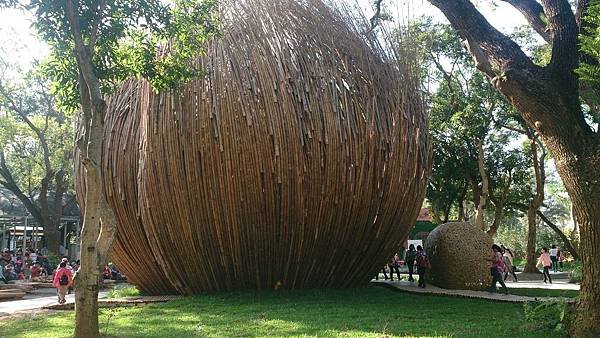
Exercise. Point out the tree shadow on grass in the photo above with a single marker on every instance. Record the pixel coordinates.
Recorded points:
(357, 312)
(374, 312)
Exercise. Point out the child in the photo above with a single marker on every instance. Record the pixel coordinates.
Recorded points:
(63, 279)
(546, 263)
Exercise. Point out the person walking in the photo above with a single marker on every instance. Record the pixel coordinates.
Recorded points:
(2, 278)
(546, 261)
(554, 258)
(422, 265)
(409, 259)
(63, 279)
(394, 265)
(497, 268)
(384, 274)
(509, 258)
(561, 259)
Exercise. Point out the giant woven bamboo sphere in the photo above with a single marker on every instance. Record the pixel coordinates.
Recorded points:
(298, 161)
(458, 253)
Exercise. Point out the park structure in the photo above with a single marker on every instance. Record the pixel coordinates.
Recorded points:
(299, 158)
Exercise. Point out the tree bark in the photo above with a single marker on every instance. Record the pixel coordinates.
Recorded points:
(480, 217)
(534, 13)
(98, 228)
(580, 175)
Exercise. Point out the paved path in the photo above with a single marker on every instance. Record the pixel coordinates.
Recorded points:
(556, 285)
(26, 305)
(431, 289)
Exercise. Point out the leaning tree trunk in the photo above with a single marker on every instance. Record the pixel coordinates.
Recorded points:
(568, 246)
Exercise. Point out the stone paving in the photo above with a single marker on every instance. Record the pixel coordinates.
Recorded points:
(406, 286)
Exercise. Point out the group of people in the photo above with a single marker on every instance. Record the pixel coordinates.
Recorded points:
(412, 258)
(19, 266)
(551, 259)
(501, 264)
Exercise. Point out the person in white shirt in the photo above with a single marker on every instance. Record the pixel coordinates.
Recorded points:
(554, 257)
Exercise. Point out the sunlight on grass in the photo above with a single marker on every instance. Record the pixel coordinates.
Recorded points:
(370, 312)
(124, 290)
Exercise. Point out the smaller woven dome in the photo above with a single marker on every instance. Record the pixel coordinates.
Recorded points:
(458, 253)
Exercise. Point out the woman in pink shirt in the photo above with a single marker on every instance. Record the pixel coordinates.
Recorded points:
(546, 263)
(63, 279)
(497, 268)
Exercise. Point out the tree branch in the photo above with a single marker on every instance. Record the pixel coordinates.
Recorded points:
(493, 51)
(375, 19)
(565, 43)
(96, 26)
(582, 7)
(534, 14)
(82, 54)
(540, 175)
(39, 133)
(10, 184)
(546, 97)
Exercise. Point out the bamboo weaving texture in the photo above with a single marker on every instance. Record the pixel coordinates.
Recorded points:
(299, 160)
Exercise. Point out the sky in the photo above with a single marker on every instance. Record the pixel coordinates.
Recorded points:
(15, 25)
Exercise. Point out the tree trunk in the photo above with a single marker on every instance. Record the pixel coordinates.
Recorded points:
(548, 100)
(462, 216)
(88, 276)
(498, 211)
(499, 205)
(532, 253)
(574, 237)
(580, 176)
(535, 204)
(51, 230)
(51, 237)
(98, 228)
(480, 218)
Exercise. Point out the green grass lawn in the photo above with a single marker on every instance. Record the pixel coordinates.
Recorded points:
(370, 312)
(543, 292)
